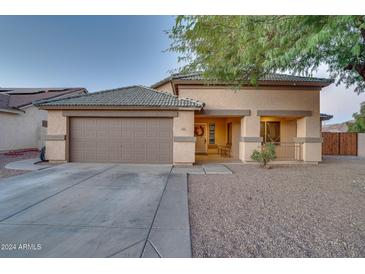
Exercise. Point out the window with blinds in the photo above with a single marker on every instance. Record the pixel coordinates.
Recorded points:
(211, 133)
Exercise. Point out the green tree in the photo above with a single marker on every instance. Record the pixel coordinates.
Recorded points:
(244, 48)
(359, 124)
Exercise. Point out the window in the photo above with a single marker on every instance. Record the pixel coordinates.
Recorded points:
(270, 132)
(212, 134)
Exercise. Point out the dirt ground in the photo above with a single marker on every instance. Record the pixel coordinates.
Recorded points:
(286, 211)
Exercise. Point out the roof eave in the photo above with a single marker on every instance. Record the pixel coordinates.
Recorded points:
(260, 83)
(325, 117)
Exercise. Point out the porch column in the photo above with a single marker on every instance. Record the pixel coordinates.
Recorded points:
(250, 137)
(309, 134)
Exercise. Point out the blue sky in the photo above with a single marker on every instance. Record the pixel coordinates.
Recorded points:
(101, 52)
(96, 52)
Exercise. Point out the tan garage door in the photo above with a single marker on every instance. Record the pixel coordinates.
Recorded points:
(121, 140)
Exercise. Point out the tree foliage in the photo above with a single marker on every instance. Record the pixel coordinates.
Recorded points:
(238, 48)
(359, 124)
(265, 155)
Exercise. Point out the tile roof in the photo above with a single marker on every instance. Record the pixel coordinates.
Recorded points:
(132, 96)
(273, 77)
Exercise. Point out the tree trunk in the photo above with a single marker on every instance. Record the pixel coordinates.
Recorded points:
(360, 68)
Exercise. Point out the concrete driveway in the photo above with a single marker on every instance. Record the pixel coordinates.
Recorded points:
(95, 210)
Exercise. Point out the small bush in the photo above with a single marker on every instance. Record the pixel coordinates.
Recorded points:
(265, 155)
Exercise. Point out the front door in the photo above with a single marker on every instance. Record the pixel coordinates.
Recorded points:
(200, 133)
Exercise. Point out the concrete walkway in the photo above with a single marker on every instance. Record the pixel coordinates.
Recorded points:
(170, 233)
(28, 164)
(206, 169)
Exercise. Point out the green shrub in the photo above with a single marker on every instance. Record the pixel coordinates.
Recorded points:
(265, 155)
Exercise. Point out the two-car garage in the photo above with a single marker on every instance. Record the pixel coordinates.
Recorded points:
(120, 140)
(134, 125)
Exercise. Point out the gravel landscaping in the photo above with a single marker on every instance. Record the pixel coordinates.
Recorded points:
(6, 158)
(286, 211)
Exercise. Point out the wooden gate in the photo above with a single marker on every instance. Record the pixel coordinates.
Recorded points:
(339, 143)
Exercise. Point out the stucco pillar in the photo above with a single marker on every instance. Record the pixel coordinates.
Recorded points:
(250, 137)
(309, 135)
(183, 138)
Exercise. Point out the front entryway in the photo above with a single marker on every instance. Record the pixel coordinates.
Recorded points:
(217, 139)
(121, 140)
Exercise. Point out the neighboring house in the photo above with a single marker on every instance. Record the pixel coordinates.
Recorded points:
(340, 127)
(22, 125)
(182, 119)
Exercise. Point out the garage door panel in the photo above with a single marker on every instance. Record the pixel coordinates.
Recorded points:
(102, 149)
(152, 133)
(140, 132)
(102, 134)
(152, 156)
(77, 133)
(126, 134)
(140, 123)
(164, 136)
(89, 125)
(165, 145)
(140, 151)
(115, 134)
(165, 149)
(115, 151)
(124, 140)
(164, 158)
(89, 133)
(101, 124)
(152, 145)
(127, 153)
(152, 129)
(115, 124)
(89, 156)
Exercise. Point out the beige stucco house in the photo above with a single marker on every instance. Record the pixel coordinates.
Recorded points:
(183, 119)
(22, 125)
